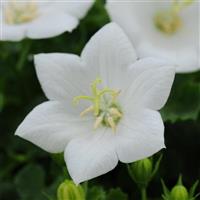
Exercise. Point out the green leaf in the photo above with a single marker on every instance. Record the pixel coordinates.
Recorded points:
(165, 190)
(193, 189)
(184, 100)
(30, 182)
(96, 193)
(7, 190)
(116, 194)
(157, 165)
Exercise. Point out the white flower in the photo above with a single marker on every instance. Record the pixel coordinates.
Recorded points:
(165, 29)
(40, 19)
(114, 119)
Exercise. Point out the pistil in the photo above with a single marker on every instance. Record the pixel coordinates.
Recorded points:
(104, 106)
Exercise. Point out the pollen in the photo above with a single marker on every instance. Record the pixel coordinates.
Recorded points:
(104, 106)
(19, 13)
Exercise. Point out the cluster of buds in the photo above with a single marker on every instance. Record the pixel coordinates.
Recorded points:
(179, 191)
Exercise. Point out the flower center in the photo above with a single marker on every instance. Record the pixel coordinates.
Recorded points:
(169, 21)
(104, 106)
(18, 12)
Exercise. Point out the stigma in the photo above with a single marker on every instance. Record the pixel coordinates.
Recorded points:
(104, 106)
(19, 13)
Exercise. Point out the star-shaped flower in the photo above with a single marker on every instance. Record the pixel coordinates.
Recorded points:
(40, 19)
(165, 29)
(102, 105)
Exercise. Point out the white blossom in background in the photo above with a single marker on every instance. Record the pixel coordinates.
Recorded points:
(168, 29)
(102, 105)
(37, 19)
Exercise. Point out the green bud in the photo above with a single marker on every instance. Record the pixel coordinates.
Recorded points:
(179, 192)
(69, 191)
(142, 169)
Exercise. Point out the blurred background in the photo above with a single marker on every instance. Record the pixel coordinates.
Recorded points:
(29, 173)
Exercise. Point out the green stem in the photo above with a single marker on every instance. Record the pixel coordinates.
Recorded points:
(143, 193)
(24, 53)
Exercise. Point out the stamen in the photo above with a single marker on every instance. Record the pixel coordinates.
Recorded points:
(115, 112)
(116, 94)
(98, 121)
(112, 124)
(104, 107)
(20, 12)
(87, 110)
(169, 20)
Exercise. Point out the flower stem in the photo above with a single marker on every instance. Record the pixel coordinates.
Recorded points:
(143, 193)
(24, 53)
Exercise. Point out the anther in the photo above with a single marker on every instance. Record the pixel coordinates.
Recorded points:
(115, 112)
(87, 110)
(98, 121)
(111, 123)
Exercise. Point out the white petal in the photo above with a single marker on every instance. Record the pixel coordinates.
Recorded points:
(139, 135)
(136, 18)
(108, 54)
(61, 75)
(51, 24)
(77, 8)
(50, 127)
(91, 156)
(151, 85)
(13, 32)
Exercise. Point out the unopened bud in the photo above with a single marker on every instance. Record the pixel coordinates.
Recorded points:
(69, 191)
(143, 171)
(179, 192)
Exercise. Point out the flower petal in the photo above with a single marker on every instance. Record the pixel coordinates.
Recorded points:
(50, 127)
(62, 76)
(151, 85)
(91, 156)
(139, 135)
(108, 54)
(50, 25)
(77, 9)
(136, 18)
(12, 32)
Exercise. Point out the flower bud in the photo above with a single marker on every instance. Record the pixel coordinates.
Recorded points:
(143, 171)
(179, 192)
(69, 191)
